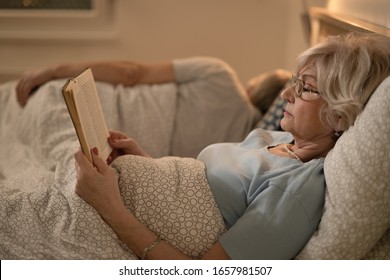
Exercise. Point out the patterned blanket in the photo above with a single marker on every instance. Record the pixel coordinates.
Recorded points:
(41, 217)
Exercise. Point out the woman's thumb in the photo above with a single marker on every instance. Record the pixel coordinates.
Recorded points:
(98, 162)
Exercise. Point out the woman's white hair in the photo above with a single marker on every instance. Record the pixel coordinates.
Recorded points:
(349, 68)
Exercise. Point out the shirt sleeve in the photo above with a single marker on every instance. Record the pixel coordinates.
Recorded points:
(200, 68)
(281, 219)
(209, 89)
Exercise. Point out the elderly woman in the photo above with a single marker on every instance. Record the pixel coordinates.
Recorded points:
(259, 199)
(270, 188)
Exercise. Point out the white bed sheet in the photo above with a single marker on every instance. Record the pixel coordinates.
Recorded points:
(41, 216)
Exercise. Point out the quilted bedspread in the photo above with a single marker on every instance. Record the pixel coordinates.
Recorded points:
(41, 217)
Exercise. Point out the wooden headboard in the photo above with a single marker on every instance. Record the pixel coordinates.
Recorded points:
(325, 23)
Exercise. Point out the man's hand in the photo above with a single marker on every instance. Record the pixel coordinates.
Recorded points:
(31, 80)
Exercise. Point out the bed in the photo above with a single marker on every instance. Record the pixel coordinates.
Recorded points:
(42, 217)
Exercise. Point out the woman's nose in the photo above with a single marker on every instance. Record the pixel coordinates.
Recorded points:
(288, 94)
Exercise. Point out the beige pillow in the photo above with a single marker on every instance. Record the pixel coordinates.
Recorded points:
(356, 220)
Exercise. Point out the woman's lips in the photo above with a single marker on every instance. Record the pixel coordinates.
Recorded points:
(287, 114)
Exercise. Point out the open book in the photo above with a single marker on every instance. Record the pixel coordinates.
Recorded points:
(84, 106)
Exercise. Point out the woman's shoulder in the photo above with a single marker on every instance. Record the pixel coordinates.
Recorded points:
(269, 137)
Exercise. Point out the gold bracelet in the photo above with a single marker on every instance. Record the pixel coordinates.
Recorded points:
(150, 247)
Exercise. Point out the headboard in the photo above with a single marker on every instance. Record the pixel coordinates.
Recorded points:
(325, 23)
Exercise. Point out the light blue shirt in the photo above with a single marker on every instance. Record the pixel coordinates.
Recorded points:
(271, 204)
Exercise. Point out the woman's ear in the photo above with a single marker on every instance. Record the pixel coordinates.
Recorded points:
(339, 127)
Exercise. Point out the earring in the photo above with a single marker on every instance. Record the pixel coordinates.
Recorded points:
(337, 134)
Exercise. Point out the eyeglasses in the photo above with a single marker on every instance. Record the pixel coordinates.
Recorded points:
(303, 91)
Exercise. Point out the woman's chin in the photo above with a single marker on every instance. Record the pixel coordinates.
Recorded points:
(283, 124)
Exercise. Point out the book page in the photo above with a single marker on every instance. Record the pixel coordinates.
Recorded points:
(91, 115)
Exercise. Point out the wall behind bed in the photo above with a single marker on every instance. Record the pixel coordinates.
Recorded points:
(254, 36)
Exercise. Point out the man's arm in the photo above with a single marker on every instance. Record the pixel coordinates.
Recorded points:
(113, 72)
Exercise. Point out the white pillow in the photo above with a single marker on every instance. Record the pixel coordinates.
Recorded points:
(357, 204)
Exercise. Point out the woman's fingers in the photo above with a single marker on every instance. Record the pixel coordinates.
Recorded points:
(117, 135)
(98, 162)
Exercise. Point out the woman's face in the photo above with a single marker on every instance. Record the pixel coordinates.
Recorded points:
(302, 115)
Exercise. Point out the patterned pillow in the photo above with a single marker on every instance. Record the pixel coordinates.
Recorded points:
(356, 221)
(271, 119)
